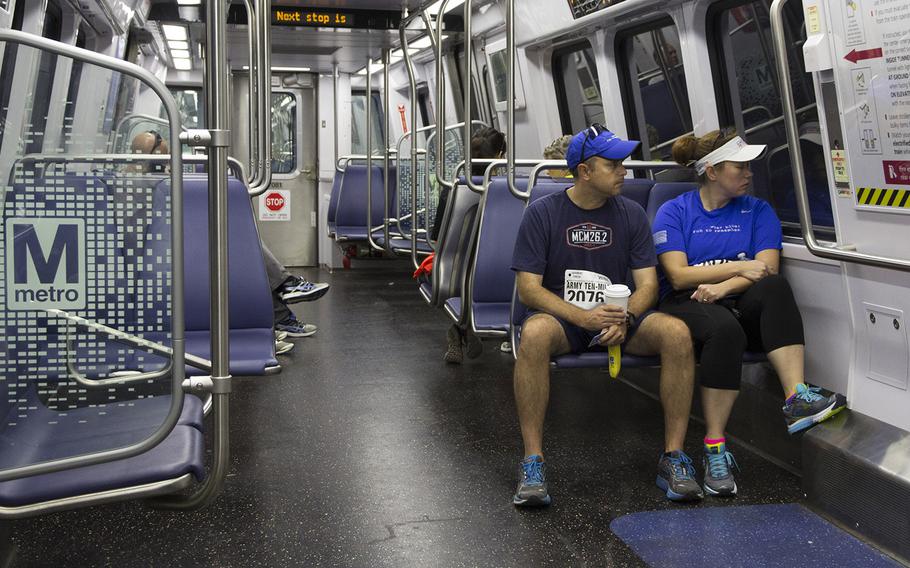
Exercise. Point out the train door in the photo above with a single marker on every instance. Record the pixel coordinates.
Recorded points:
(286, 211)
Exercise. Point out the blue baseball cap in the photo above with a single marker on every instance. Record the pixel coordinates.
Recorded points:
(596, 140)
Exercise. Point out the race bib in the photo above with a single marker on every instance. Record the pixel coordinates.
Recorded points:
(584, 288)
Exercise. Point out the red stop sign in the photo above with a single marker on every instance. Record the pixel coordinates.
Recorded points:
(274, 201)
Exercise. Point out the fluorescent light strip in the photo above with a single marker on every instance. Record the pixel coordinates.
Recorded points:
(174, 32)
(189, 2)
(183, 64)
(178, 44)
(180, 54)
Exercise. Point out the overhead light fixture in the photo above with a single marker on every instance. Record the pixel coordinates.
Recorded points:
(291, 69)
(189, 2)
(180, 54)
(183, 64)
(172, 32)
(434, 9)
(422, 43)
(178, 44)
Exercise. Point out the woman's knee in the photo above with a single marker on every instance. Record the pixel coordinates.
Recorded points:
(727, 333)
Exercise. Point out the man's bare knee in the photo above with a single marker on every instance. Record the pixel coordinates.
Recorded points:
(541, 334)
(673, 336)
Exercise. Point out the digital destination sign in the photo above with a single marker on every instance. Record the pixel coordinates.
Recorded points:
(297, 16)
(312, 17)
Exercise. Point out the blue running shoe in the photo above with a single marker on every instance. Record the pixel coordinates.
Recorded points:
(532, 489)
(808, 407)
(299, 289)
(294, 327)
(718, 462)
(676, 477)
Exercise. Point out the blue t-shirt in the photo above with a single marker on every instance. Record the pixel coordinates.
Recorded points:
(556, 235)
(737, 231)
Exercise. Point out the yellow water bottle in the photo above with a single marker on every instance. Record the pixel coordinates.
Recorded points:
(615, 355)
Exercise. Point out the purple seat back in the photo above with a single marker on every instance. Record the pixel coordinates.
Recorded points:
(663, 192)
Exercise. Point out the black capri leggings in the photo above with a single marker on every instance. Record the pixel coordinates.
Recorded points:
(764, 318)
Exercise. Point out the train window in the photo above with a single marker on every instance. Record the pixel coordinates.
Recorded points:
(750, 102)
(655, 94)
(53, 29)
(358, 123)
(190, 105)
(9, 63)
(69, 111)
(284, 133)
(577, 87)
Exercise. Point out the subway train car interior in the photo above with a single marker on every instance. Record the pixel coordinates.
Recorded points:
(413, 283)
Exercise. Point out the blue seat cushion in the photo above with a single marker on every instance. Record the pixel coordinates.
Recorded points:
(405, 244)
(453, 308)
(601, 359)
(426, 290)
(492, 316)
(179, 454)
(252, 351)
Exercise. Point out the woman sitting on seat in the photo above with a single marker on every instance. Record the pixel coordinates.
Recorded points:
(719, 249)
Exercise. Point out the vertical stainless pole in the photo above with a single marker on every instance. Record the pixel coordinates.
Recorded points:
(217, 118)
(510, 125)
(264, 16)
(427, 188)
(335, 111)
(386, 143)
(468, 71)
(369, 120)
(409, 65)
(216, 88)
(440, 103)
(252, 24)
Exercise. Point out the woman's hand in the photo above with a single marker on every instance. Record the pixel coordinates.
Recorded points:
(709, 293)
(754, 270)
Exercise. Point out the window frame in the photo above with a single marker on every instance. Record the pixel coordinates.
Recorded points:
(629, 91)
(558, 72)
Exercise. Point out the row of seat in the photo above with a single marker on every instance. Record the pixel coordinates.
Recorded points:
(127, 227)
(472, 278)
(347, 212)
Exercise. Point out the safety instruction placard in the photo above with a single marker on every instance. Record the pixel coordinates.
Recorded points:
(873, 72)
(275, 205)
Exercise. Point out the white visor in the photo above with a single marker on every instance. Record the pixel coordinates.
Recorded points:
(735, 150)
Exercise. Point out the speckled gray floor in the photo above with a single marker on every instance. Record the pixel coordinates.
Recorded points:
(369, 451)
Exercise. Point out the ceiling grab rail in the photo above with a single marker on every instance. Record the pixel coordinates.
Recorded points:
(468, 70)
(368, 103)
(412, 84)
(216, 88)
(176, 175)
(796, 161)
(264, 17)
(252, 31)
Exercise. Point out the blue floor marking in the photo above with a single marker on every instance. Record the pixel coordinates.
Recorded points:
(754, 535)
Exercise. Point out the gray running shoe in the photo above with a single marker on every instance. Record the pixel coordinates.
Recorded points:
(532, 489)
(718, 462)
(676, 477)
(807, 407)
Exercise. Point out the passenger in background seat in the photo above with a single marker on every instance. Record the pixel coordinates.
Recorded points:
(486, 143)
(719, 248)
(289, 289)
(590, 227)
(286, 288)
(557, 151)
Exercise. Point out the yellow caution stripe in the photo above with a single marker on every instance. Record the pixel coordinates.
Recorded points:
(883, 197)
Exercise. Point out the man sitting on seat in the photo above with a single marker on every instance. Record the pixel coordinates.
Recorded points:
(589, 227)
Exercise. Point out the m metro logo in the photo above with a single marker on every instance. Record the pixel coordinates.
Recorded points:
(45, 264)
(589, 236)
